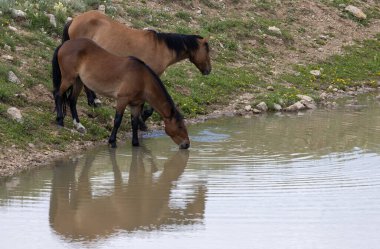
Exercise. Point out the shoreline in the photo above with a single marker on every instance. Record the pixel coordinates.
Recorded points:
(15, 160)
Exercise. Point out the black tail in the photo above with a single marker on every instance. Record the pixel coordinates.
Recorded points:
(65, 35)
(57, 78)
(56, 71)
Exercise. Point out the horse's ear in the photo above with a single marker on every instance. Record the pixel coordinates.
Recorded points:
(205, 40)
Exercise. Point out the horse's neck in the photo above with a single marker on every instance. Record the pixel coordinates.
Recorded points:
(157, 98)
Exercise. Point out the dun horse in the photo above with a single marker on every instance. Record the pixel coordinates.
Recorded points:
(157, 50)
(127, 79)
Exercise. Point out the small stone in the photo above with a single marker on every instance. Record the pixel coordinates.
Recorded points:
(12, 77)
(295, 107)
(102, 8)
(12, 28)
(305, 97)
(199, 11)
(248, 108)
(275, 30)
(52, 20)
(7, 57)
(15, 114)
(323, 95)
(309, 105)
(378, 97)
(18, 14)
(270, 88)
(31, 145)
(277, 107)
(262, 106)
(358, 13)
(7, 47)
(316, 73)
(69, 18)
(335, 89)
(256, 111)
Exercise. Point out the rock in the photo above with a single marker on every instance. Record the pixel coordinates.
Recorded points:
(102, 8)
(7, 47)
(12, 28)
(305, 97)
(12, 77)
(270, 88)
(378, 97)
(316, 73)
(256, 111)
(31, 145)
(7, 57)
(307, 101)
(275, 30)
(277, 107)
(358, 13)
(18, 14)
(52, 20)
(1, 13)
(335, 89)
(15, 114)
(248, 108)
(295, 107)
(309, 105)
(262, 106)
(69, 18)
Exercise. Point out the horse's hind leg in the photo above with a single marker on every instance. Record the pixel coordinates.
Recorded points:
(120, 108)
(60, 100)
(73, 105)
(92, 100)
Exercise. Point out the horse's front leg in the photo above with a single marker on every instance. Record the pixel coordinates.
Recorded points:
(116, 125)
(120, 108)
(135, 120)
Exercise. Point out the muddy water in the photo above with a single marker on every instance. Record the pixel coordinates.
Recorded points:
(277, 181)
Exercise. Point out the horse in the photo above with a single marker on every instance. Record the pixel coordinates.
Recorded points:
(132, 203)
(158, 50)
(127, 79)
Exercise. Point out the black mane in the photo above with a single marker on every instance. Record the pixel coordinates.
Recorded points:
(174, 112)
(179, 42)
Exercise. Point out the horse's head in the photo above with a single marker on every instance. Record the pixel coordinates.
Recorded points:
(201, 56)
(176, 129)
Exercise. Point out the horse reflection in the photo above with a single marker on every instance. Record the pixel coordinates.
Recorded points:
(141, 204)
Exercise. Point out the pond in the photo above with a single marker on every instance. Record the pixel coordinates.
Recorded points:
(277, 181)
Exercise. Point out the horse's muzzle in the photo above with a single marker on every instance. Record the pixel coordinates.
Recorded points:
(206, 72)
(184, 145)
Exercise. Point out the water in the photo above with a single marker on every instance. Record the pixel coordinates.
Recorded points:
(276, 181)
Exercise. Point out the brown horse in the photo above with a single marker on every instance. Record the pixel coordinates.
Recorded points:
(157, 50)
(127, 79)
(141, 201)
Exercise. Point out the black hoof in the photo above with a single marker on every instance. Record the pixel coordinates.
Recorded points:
(112, 144)
(135, 144)
(60, 123)
(143, 127)
(93, 104)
